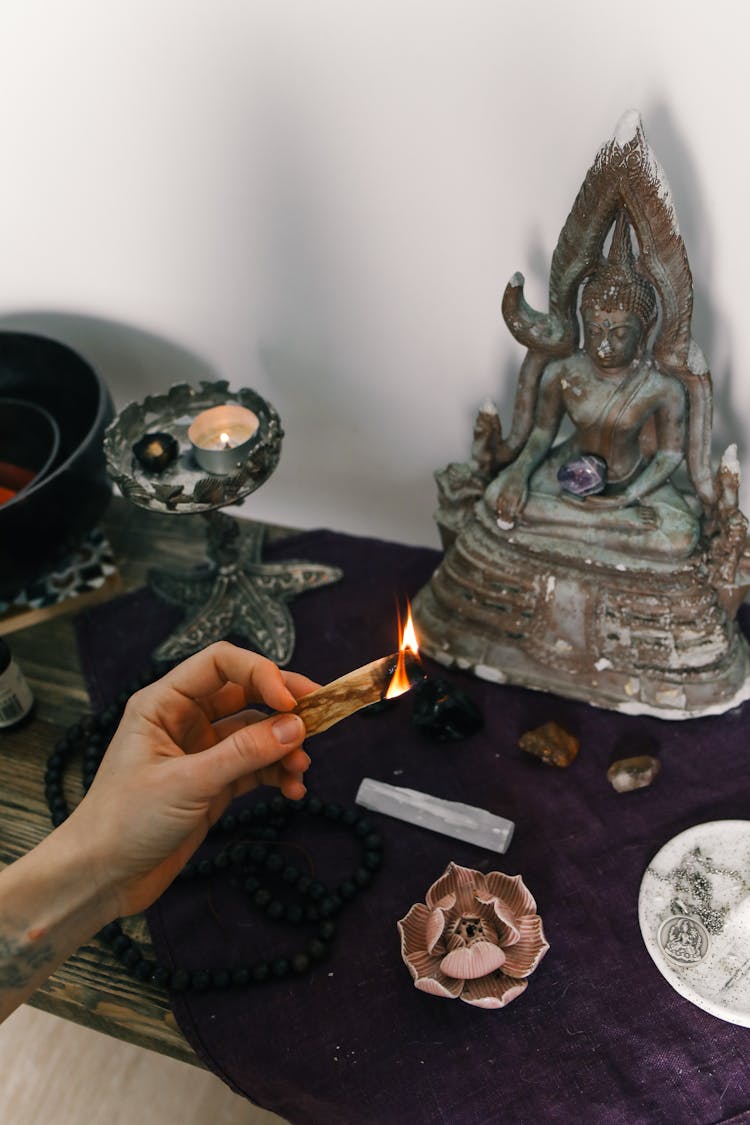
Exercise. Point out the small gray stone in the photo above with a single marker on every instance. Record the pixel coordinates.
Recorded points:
(633, 773)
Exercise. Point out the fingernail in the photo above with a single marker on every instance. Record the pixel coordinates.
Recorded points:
(288, 729)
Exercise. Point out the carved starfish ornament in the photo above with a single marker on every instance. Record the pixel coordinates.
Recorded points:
(237, 594)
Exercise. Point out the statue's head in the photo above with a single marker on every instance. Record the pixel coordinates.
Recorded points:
(618, 304)
(612, 337)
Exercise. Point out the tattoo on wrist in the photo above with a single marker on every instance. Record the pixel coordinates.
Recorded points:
(21, 959)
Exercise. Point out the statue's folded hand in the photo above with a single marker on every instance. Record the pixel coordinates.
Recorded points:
(601, 503)
(506, 495)
(642, 515)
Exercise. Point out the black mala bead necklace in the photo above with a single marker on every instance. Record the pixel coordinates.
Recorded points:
(252, 851)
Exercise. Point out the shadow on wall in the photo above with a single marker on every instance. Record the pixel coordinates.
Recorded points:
(710, 328)
(132, 363)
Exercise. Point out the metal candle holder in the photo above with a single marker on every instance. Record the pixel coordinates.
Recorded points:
(238, 594)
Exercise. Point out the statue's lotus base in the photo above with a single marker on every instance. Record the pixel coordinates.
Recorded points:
(630, 635)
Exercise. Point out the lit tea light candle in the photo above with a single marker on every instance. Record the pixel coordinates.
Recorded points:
(222, 437)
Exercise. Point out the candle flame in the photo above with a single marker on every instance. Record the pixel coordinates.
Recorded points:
(225, 441)
(400, 681)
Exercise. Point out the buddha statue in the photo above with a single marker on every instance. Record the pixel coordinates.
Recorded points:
(609, 482)
(592, 550)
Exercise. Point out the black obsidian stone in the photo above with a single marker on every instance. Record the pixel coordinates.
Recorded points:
(444, 713)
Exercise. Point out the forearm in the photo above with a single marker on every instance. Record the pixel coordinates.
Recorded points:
(49, 906)
(186, 746)
(654, 475)
(536, 449)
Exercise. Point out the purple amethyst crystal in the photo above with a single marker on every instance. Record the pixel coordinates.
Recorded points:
(583, 476)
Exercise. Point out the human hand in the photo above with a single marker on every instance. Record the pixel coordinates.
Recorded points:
(186, 746)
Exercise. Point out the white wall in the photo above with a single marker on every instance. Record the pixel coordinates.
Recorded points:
(323, 200)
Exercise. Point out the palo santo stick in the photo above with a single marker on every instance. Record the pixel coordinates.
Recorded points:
(330, 704)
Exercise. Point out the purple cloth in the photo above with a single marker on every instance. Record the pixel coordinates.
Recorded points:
(599, 1035)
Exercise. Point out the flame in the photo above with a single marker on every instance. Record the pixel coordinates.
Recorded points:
(407, 643)
(225, 442)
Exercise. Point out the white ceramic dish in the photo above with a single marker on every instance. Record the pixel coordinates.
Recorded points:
(694, 913)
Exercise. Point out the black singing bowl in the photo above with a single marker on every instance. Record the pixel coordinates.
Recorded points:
(42, 524)
(29, 440)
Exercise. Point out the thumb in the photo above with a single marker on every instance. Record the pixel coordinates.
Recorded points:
(252, 748)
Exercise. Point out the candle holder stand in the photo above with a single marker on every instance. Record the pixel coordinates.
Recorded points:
(235, 593)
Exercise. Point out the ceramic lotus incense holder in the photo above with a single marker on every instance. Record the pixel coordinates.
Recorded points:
(477, 937)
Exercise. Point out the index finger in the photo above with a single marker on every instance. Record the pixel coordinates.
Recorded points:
(298, 684)
(208, 671)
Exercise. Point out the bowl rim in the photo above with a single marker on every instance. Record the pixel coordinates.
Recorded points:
(103, 405)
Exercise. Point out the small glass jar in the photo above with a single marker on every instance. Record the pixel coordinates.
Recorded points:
(16, 699)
